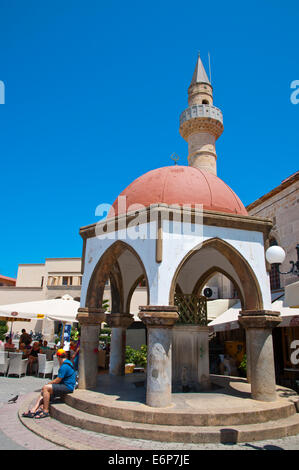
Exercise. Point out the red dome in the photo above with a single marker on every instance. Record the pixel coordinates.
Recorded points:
(180, 185)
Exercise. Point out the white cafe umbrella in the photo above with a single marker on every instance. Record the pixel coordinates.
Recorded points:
(64, 309)
(229, 319)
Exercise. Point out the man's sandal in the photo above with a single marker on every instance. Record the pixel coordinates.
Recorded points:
(41, 415)
(28, 414)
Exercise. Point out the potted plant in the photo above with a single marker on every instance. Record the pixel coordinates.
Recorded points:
(135, 357)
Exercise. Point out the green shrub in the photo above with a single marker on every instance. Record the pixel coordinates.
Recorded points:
(106, 331)
(3, 330)
(106, 339)
(137, 356)
(243, 365)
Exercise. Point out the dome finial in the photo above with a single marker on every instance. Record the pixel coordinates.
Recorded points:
(175, 158)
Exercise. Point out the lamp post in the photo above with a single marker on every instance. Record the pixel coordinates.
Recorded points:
(276, 255)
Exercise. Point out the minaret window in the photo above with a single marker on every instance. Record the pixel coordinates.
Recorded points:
(205, 102)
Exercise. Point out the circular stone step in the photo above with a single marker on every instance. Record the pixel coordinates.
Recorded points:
(229, 405)
(187, 434)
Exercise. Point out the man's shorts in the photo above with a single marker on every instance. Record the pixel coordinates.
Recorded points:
(60, 389)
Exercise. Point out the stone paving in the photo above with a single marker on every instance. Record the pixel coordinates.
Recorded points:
(15, 436)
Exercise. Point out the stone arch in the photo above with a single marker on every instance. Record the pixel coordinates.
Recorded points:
(204, 278)
(108, 268)
(132, 290)
(252, 298)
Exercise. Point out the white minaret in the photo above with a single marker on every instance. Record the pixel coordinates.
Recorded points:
(201, 123)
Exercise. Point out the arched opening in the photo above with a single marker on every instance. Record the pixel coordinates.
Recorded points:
(119, 265)
(138, 287)
(136, 333)
(222, 284)
(205, 102)
(215, 254)
(215, 260)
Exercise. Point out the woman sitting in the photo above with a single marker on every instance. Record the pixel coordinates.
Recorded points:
(9, 346)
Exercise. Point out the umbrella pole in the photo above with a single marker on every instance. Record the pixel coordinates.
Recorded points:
(62, 335)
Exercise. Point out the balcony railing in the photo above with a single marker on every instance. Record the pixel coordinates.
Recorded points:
(201, 110)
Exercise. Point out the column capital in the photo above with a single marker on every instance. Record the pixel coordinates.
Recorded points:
(259, 318)
(119, 320)
(158, 316)
(91, 316)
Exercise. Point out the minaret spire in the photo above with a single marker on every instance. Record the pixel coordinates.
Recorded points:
(201, 123)
(199, 75)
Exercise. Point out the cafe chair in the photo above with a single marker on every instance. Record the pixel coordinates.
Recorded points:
(17, 365)
(44, 367)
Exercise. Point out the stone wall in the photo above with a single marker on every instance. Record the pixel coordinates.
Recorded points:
(282, 206)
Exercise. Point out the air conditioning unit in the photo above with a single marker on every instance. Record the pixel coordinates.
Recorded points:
(211, 293)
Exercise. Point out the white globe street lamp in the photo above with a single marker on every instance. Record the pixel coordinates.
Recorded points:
(276, 255)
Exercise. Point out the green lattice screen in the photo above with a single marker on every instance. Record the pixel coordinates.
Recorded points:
(192, 309)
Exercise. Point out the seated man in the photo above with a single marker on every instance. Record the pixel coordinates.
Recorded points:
(25, 338)
(64, 383)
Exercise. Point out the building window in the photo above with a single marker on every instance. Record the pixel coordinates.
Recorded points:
(274, 274)
(64, 281)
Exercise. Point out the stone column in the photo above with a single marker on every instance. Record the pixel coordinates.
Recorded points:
(259, 326)
(159, 321)
(119, 322)
(90, 320)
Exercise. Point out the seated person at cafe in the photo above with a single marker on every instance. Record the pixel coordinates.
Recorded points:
(44, 346)
(9, 344)
(33, 356)
(24, 349)
(64, 383)
(25, 338)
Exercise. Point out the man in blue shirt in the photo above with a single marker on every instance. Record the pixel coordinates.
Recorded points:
(64, 383)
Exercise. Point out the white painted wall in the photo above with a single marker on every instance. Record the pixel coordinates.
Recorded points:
(176, 246)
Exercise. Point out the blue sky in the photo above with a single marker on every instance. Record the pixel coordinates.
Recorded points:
(93, 93)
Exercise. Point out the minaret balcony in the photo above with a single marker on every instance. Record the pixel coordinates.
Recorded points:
(201, 111)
